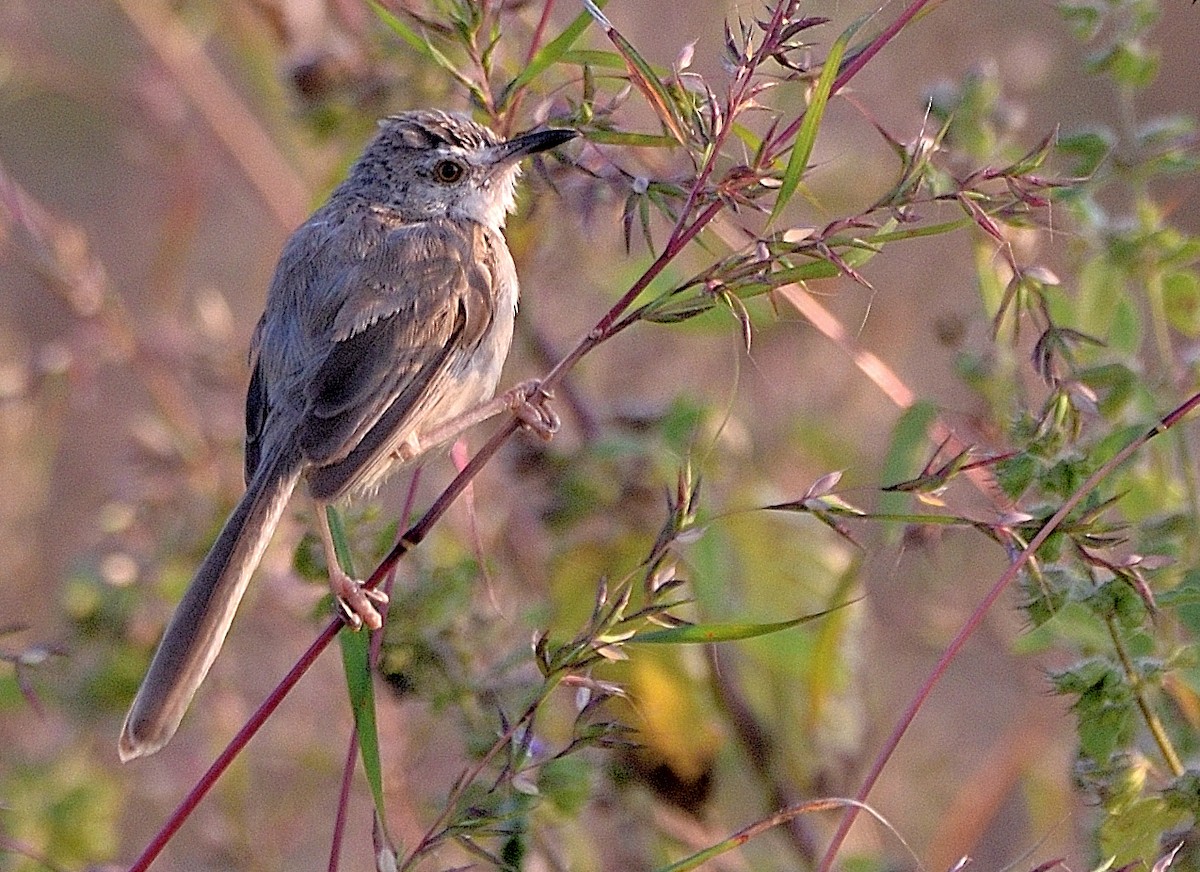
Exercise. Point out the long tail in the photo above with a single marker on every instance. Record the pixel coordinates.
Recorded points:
(196, 632)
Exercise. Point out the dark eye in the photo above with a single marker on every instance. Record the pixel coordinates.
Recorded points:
(447, 171)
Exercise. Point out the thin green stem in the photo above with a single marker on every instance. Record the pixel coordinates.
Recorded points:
(1138, 686)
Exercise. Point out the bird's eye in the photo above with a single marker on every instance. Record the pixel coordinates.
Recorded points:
(447, 171)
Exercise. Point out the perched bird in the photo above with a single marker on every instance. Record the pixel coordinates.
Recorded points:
(387, 322)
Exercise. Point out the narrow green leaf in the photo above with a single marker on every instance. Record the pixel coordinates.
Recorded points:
(647, 81)
(620, 137)
(1181, 300)
(421, 44)
(553, 50)
(909, 449)
(671, 309)
(705, 633)
(588, 57)
(887, 234)
(807, 135)
(751, 139)
(356, 662)
(402, 30)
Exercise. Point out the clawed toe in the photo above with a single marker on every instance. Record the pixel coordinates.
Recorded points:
(531, 406)
(355, 603)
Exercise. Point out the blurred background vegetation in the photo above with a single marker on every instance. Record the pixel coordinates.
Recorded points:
(154, 157)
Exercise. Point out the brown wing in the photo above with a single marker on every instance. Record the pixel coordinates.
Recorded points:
(413, 311)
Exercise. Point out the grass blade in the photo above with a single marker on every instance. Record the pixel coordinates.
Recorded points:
(420, 43)
(356, 662)
(705, 633)
(397, 26)
(806, 136)
(553, 51)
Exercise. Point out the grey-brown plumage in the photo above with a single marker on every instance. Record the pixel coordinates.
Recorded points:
(387, 321)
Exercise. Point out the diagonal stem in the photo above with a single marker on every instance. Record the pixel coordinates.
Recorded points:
(976, 618)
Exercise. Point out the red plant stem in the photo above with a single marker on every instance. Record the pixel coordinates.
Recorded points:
(343, 804)
(535, 42)
(539, 32)
(235, 747)
(968, 629)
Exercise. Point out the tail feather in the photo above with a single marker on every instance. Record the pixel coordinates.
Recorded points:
(197, 630)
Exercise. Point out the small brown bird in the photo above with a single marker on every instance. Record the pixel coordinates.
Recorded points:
(386, 326)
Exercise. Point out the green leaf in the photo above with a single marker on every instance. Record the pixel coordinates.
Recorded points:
(672, 311)
(1134, 833)
(1115, 384)
(748, 137)
(1187, 594)
(356, 662)
(620, 137)
(1104, 707)
(1089, 146)
(1131, 64)
(402, 30)
(807, 135)
(1104, 304)
(553, 51)
(566, 782)
(705, 633)
(1126, 333)
(421, 44)
(1015, 474)
(1084, 18)
(589, 57)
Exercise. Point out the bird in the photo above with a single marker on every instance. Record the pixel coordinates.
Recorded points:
(386, 325)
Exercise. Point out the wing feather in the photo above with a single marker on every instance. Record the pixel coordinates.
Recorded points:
(366, 358)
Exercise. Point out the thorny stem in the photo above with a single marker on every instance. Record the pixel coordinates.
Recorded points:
(1157, 731)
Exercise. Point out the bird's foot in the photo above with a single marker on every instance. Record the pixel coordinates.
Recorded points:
(530, 404)
(355, 603)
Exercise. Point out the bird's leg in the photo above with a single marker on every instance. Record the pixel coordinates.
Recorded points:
(356, 603)
(527, 402)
